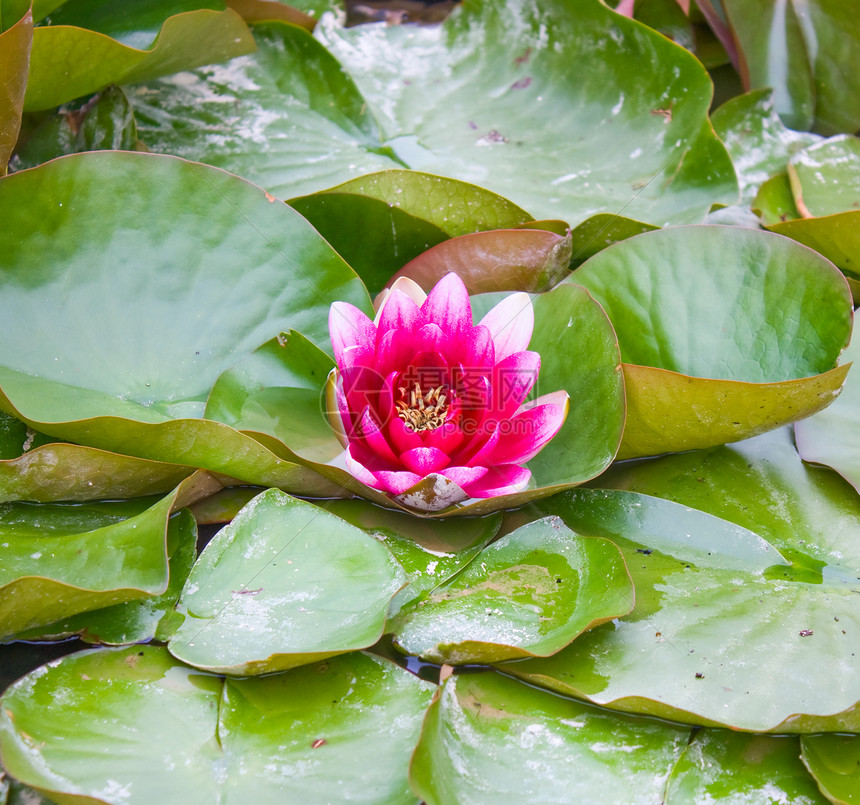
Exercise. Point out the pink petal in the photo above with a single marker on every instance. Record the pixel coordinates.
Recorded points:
(525, 434)
(405, 285)
(395, 350)
(359, 471)
(511, 323)
(396, 483)
(464, 477)
(368, 435)
(401, 437)
(447, 437)
(424, 460)
(504, 479)
(447, 305)
(349, 327)
(512, 381)
(473, 348)
(398, 312)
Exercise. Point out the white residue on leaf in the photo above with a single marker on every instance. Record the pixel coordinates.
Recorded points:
(617, 108)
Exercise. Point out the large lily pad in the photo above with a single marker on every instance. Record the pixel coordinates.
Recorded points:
(490, 739)
(825, 177)
(232, 273)
(561, 143)
(528, 594)
(718, 309)
(285, 584)
(122, 727)
(725, 630)
(834, 761)
(62, 559)
(199, 35)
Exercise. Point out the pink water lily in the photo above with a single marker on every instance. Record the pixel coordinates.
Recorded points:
(428, 405)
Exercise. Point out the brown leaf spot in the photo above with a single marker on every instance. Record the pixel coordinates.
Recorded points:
(522, 83)
(806, 632)
(318, 743)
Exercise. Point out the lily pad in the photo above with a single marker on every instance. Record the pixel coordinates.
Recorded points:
(16, 38)
(289, 119)
(596, 233)
(503, 260)
(134, 723)
(759, 143)
(775, 203)
(808, 54)
(151, 43)
(138, 384)
(68, 472)
(735, 768)
(825, 178)
(528, 594)
(489, 739)
(285, 584)
(141, 620)
(396, 215)
(62, 559)
(725, 630)
(833, 761)
(832, 437)
(709, 304)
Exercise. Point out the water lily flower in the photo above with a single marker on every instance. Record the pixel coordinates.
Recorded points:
(428, 405)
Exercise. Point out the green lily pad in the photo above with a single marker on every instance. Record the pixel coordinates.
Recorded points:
(150, 43)
(397, 215)
(502, 260)
(832, 437)
(489, 739)
(135, 726)
(725, 631)
(774, 202)
(833, 760)
(68, 472)
(559, 143)
(301, 14)
(62, 559)
(528, 594)
(731, 767)
(141, 620)
(758, 142)
(285, 584)
(138, 384)
(808, 54)
(825, 177)
(16, 38)
(710, 304)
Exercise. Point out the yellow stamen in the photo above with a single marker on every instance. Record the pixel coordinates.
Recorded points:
(423, 411)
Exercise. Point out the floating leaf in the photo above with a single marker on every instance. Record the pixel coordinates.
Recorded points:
(825, 177)
(285, 584)
(833, 761)
(774, 202)
(809, 54)
(141, 620)
(139, 53)
(122, 726)
(725, 631)
(528, 594)
(397, 215)
(62, 559)
(732, 767)
(489, 739)
(719, 309)
(602, 230)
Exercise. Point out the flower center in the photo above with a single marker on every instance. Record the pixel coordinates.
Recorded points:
(422, 411)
